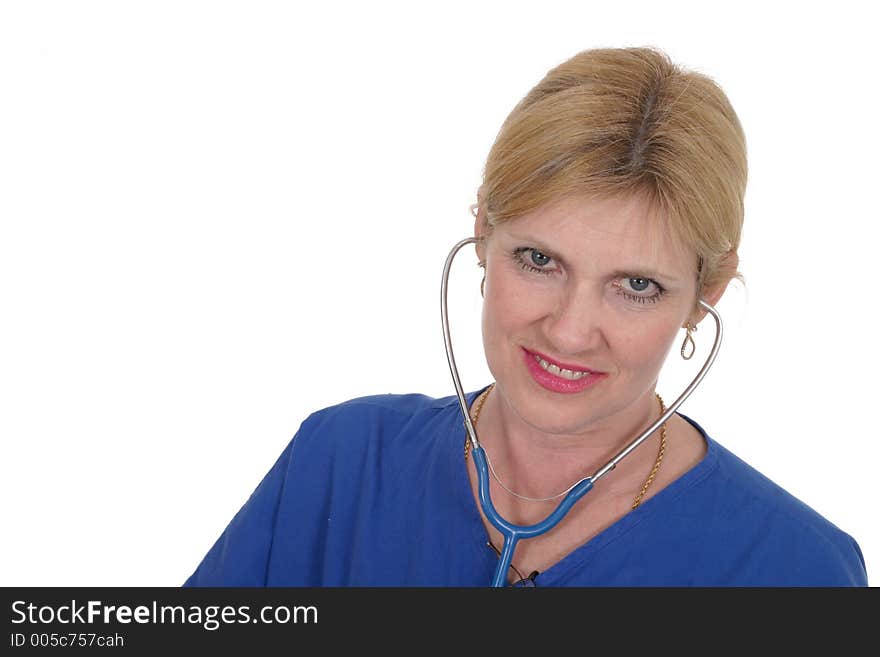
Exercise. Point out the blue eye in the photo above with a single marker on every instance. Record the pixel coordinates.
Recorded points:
(539, 258)
(639, 284)
(536, 262)
(631, 287)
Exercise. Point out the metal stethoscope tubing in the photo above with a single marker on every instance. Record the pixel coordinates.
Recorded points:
(513, 533)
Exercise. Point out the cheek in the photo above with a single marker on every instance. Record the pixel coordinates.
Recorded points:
(501, 320)
(510, 304)
(646, 347)
(507, 319)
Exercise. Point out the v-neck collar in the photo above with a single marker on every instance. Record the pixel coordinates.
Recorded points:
(557, 573)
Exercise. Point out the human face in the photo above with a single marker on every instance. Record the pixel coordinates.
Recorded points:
(593, 284)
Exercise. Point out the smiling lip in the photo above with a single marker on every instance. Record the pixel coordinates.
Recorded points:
(564, 366)
(554, 383)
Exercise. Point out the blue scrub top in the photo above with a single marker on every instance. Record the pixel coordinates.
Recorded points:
(375, 492)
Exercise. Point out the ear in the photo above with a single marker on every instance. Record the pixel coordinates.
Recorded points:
(480, 232)
(712, 295)
(481, 226)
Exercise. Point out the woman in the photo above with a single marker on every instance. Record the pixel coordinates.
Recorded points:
(611, 204)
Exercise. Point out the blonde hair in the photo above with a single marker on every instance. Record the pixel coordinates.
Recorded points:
(615, 121)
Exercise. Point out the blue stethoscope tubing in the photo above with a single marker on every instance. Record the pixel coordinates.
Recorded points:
(511, 532)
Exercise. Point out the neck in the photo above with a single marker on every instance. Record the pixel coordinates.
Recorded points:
(541, 463)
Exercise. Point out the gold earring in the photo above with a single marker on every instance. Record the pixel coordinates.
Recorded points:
(688, 338)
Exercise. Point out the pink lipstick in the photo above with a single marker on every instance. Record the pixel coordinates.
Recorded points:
(556, 383)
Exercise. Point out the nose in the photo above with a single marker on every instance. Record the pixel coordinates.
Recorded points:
(574, 323)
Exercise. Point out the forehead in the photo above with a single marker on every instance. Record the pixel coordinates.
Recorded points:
(626, 228)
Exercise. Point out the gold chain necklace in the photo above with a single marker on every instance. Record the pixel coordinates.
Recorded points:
(478, 406)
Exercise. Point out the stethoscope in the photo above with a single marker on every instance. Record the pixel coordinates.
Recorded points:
(512, 532)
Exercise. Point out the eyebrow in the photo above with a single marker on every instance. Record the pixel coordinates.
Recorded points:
(635, 270)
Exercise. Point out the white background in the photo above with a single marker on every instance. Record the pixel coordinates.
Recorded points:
(218, 217)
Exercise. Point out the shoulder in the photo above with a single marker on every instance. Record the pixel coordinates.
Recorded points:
(386, 404)
(376, 422)
(754, 490)
(783, 536)
(341, 469)
(777, 537)
(385, 411)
